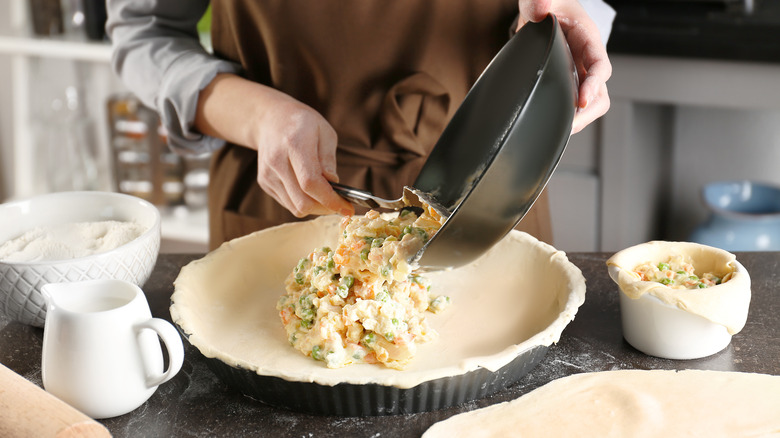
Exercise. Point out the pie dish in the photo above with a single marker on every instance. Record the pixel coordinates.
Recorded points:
(507, 308)
(680, 323)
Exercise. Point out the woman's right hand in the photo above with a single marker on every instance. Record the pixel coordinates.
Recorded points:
(296, 146)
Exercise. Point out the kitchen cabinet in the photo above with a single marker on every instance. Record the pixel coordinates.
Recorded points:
(674, 124)
(574, 191)
(36, 67)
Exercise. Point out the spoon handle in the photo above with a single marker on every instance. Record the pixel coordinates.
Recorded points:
(366, 199)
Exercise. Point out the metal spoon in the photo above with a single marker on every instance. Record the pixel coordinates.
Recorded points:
(412, 200)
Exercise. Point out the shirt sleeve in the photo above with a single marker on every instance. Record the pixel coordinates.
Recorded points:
(602, 14)
(158, 56)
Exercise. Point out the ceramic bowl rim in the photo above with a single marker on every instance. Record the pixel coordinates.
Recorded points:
(150, 232)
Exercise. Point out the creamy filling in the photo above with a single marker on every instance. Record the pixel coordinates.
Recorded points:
(362, 302)
(678, 273)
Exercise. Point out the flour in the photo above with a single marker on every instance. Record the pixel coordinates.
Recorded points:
(69, 241)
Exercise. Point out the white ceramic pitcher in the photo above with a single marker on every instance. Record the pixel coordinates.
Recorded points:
(101, 352)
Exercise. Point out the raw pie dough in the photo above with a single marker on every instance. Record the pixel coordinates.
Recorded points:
(521, 294)
(725, 304)
(632, 403)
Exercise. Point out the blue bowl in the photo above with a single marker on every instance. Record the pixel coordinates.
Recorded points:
(745, 216)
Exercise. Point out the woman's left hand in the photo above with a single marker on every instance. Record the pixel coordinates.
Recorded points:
(590, 55)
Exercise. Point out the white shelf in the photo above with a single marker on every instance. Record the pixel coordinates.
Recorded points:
(182, 224)
(62, 48)
(24, 49)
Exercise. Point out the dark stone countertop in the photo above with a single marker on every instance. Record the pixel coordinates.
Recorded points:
(197, 404)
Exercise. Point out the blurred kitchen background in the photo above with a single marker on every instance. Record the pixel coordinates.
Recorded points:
(695, 98)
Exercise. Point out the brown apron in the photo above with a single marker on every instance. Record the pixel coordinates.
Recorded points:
(387, 75)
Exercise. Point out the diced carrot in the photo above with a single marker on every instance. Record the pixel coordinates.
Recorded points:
(341, 257)
(370, 358)
(285, 314)
(363, 291)
(358, 245)
(399, 340)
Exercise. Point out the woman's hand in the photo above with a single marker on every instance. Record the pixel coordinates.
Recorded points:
(296, 146)
(590, 55)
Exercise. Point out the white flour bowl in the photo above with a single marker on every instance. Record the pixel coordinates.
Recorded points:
(21, 282)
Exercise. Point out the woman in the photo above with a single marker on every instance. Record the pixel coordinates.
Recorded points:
(300, 93)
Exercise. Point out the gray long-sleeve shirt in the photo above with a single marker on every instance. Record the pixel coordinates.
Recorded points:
(158, 56)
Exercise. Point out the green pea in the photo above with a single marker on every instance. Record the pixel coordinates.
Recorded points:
(382, 296)
(307, 315)
(386, 271)
(316, 353)
(368, 339)
(663, 266)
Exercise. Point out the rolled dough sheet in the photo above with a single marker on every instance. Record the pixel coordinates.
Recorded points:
(632, 403)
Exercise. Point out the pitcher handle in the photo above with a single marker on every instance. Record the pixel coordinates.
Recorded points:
(173, 344)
